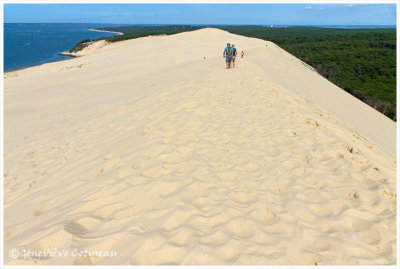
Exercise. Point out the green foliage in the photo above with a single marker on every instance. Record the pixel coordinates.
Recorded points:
(131, 32)
(164, 29)
(134, 35)
(81, 45)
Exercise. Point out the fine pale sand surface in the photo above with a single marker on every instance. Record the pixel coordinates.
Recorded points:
(152, 149)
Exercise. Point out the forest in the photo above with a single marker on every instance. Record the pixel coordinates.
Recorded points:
(360, 61)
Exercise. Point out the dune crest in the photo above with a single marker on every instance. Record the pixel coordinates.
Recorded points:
(151, 149)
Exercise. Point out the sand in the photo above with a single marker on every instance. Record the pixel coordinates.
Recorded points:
(150, 152)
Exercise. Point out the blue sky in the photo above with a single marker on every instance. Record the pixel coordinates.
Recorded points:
(278, 14)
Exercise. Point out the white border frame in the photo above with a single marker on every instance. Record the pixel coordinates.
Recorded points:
(2, 2)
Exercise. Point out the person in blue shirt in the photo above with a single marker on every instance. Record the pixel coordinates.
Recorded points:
(228, 53)
(234, 55)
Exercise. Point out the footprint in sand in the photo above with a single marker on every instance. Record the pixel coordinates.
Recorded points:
(332, 164)
(312, 122)
(369, 184)
(357, 224)
(154, 172)
(252, 167)
(8, 233)
(110, 164)
(228, 175)
(81, 226)
(149, 245)
(347, 193)
(74, 67)
(272, 151)
(123, 173)
(204, 225)
(106, 211)
(230, 251)
(378, 206)
(265, 215)
(32, 184)
(391, 197)
(218, 238)
(175, 220)
(155, 150)
(172, 157)
(321, 210)
(350, 149)
(182, 237)
(240, 227)
(371, 235)
(243, 197)
(147, 130)
(43, 208)
(361, 164)
(168, 188)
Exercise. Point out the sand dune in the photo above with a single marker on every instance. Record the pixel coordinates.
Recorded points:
(151, 150)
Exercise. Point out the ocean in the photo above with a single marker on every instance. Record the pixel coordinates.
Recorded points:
(30, 44)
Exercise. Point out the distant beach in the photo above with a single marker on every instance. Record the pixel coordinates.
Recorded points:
(104, 31)
(27, 44)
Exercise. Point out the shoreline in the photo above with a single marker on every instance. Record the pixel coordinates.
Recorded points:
(95, 30)
(23, 68)
(68, 54)
(63, 53)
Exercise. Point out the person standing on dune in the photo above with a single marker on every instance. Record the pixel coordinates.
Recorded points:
(228, 53)
(234, 55)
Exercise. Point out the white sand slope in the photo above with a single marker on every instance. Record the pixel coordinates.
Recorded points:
(147, 149)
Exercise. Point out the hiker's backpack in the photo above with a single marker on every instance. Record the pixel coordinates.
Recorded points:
(228, 51)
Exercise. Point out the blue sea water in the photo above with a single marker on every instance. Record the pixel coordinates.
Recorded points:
(27, 45)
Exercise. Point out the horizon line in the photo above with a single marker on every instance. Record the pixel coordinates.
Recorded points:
(200, 24)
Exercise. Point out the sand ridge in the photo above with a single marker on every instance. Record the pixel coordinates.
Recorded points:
(176, 160)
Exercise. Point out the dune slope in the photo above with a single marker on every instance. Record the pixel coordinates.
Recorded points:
(151, 150)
